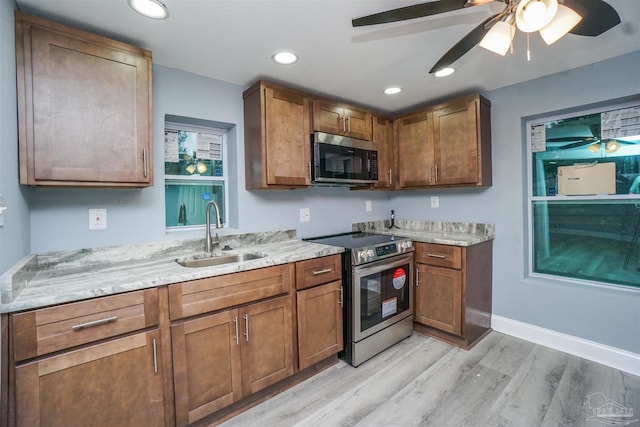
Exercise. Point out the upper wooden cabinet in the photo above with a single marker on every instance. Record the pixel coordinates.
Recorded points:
(277, 137)
(341, 119)
(383, 144)
(84, 105)
(446, 145)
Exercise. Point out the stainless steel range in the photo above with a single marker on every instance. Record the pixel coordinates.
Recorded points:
(377, 281)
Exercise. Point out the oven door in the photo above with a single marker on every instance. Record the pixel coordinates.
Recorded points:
(382, 294)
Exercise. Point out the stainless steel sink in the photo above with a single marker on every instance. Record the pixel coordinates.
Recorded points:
(212, 260)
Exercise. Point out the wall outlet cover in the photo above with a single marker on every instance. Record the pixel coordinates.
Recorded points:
(435, 202)
(305, 215)
(368, 206)
(97, 219)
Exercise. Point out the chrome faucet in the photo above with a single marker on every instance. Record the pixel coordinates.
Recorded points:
(209, 243)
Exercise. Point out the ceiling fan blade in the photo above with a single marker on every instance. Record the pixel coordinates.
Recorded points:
(410, 12)
(597, 17)
(464, 45)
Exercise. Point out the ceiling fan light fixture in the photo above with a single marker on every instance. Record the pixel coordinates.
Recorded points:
(498, 39)
(532, 15)
(150, 8)
(564, 21)
(444, 72)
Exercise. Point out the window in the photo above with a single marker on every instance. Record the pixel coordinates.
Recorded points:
(584, 206)
(195, 173)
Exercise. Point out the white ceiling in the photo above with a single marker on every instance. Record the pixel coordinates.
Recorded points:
(233, 40)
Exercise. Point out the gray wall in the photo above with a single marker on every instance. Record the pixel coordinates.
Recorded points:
(51, 219)
(602, 314)
(14, 235)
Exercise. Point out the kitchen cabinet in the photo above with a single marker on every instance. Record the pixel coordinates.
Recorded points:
(341, 119)
(72, 382)
(84, 107)
(446, 145)
(383, 143)
(223, 356)
(277, 137)
(319, 309)
(453, 291)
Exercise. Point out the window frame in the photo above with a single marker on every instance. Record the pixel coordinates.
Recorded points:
(177, 126)
(530, 198)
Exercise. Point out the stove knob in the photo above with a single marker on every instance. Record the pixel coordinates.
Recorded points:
(370, 253)
(362, 255)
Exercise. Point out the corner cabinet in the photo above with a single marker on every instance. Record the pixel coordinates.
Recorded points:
(383, 144)
(84, 107)
(453, 291)
(277, 137)
(446, 145)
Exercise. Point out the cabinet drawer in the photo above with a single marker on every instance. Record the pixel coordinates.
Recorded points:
(51, 329)
(317, 271)
(440, 255)
(215, 293)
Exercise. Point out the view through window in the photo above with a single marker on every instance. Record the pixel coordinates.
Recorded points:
(584, 201)
(195, 173)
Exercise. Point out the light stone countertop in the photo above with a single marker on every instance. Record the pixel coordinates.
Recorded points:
(444, 233)
(52, 278)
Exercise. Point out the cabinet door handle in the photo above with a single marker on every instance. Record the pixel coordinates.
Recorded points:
(348, 119)
(155, 357)
(94, 323)
(310, 178)
(237, 337)
(390, 178)
(417, 277)
(326, 270)
(144, 161)
(344, 124)
(436, 169)
(430, 173)
(246, 326)
(437, 256)
(341, 297)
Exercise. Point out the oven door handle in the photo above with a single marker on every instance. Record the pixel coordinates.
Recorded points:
(385, 264)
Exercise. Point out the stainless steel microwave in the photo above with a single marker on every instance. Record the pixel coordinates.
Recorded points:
(340, 160)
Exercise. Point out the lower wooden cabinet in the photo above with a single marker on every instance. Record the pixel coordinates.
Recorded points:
(115, 383)
(220, 358)
(453, 291)
(319, 323)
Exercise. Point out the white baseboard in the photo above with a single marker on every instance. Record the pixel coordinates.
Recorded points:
(611, 356)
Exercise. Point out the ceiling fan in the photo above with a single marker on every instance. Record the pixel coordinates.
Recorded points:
(553, 18)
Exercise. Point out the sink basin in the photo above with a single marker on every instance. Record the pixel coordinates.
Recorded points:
(208, 261)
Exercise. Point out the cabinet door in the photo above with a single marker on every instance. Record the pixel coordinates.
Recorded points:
(328, 117)
(267, 343)
(357, 124)
(414, 138)
(288, 141)
(206, 365)
(383, 142)
(439, 298)
(86, 121)
(456, 144)
(319, 323)
(116, 383)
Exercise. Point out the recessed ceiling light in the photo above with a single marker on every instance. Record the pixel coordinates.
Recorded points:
(445, 72)
(150, 8)
(392, 90)
(285, 58)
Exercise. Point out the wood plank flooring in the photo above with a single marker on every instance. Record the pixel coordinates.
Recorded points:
(502, 381)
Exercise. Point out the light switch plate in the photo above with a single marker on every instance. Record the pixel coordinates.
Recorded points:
(435, 202)
(305, 215)
(97, 219)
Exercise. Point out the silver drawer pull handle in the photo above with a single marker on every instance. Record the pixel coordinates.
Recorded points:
(326, 270)
(436, 256)
(94, 323)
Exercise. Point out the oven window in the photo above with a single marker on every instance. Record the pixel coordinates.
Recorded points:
(383, 295)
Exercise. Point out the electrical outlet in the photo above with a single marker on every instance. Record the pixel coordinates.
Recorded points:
(97, 219)
(305, 215)
(368, 205)
(435, 202)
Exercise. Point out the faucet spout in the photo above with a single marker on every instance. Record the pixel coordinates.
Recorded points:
(209, 243)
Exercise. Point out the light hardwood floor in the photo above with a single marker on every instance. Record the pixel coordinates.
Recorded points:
(502, 381)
